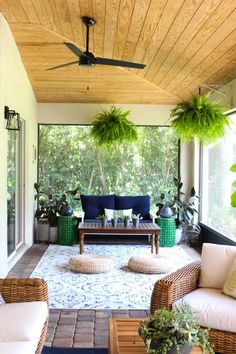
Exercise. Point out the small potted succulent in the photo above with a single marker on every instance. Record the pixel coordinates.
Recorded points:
(135, 219)
(103, 219)
(114, 221)
(174, 331)
(126, 220)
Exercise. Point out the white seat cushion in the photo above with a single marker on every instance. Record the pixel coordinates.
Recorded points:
(212, 308)
(216, 261)
(17, 348)
(22, 321)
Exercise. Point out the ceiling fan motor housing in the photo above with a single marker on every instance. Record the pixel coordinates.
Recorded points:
(87, 61)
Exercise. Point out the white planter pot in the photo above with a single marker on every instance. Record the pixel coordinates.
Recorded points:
(53, 234)
(178, 235)
(42, 230)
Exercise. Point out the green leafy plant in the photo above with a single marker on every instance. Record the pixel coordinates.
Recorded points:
(136, 217)
(199, 119)
(172, 329)
(183, 207)
(50, 204)
(101, 217)
(111, 126)
(233, 195)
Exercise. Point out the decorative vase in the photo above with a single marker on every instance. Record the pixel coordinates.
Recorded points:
(166, 212)
(114, 222)
(66, 210)
(126, 222)
(104, 222)
(136, 222)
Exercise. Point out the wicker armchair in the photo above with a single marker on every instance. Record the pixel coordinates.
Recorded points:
(23, 290)
(173, 287)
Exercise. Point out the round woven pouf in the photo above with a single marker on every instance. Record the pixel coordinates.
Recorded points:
(150, 264)
(90, 263)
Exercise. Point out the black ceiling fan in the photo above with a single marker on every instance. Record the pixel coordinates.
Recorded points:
(87, 59)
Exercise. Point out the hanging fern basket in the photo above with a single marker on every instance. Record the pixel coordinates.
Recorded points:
(112, 126)
(200, 119)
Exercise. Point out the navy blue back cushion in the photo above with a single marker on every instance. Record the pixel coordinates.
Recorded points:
(93, 205)
(140, 204)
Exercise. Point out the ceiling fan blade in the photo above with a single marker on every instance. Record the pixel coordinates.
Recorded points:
(61, 66)
(114, 62)
(75, 50)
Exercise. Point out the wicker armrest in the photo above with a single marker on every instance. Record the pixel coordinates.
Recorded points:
(23, 290)
(174, 286)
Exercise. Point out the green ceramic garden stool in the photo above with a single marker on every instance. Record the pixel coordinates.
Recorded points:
(67, 230)
(168, 231)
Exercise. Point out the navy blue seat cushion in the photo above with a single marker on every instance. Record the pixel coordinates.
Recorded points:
(139, 204)
(93, 205)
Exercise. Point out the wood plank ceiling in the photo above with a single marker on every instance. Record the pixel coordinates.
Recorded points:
(184, 44)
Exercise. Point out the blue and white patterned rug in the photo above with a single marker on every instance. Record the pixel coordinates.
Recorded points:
(119, 288)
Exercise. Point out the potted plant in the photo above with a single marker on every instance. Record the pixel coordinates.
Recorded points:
(186, 208)
(174, 331)
(126, 219)
(103, 219)
(112, 126)
(114, 221)
(135, 219)
(199, 118)
(165, 205)
(233, 195)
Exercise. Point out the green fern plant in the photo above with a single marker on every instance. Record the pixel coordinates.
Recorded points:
(233, 195)
(111, 126)
(199, 119)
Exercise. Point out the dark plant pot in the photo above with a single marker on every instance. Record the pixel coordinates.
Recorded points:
(136, 222)
(104, 223)
(114, 222)
(184, 349)
(66, 210)
(166, 212)
(126, 223)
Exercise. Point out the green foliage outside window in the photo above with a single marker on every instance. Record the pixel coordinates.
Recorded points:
(69, 158)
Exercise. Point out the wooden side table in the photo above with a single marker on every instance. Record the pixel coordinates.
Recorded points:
(124, 338)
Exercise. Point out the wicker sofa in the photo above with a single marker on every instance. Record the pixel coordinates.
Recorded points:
(174, 287)
(24, 317)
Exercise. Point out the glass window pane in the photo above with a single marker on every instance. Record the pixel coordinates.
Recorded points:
(68, 158)
(216, 184)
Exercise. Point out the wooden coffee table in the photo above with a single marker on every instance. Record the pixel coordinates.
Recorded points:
(124, 338)
(143, 229)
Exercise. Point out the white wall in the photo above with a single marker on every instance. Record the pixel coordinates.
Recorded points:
(17, 94)
(82, 113)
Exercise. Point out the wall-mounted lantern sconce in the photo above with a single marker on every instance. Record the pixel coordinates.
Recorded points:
(13, 119)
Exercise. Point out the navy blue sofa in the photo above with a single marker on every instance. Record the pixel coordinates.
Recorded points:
(94, 205)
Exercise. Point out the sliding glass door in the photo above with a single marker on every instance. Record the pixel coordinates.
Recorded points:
(15, 193)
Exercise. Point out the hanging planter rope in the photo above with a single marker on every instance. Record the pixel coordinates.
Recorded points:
(199, 119)
(112, 126)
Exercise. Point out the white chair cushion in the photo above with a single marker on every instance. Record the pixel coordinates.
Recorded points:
(23, 321)
(229, 287)
(17, 348)
(212, 308)
(216, 261)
